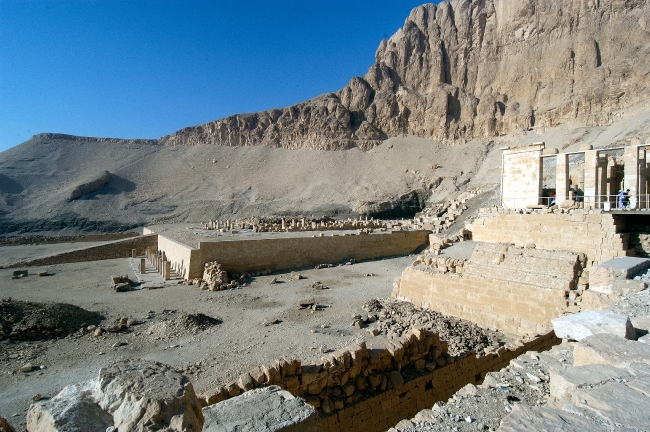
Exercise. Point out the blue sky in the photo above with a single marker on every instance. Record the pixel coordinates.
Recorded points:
(144, 69)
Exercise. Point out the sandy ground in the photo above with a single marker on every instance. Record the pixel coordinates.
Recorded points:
(211, 357)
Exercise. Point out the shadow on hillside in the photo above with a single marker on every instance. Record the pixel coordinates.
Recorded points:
(115, 186)
(10, 186)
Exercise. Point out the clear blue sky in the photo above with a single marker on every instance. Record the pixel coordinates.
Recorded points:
(144, 69)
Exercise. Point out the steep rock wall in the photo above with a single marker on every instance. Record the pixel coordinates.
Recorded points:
(469, 69)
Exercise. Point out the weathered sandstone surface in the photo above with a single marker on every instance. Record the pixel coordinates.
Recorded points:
(469, 69)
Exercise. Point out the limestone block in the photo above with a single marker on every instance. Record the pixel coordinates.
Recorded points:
(565, 382)
(137, 392)
(579, 326)
(617, 403)
(262, 410)
(128, 395)
(607, 276)
(612, 350)
(526, 418)
(72, 410)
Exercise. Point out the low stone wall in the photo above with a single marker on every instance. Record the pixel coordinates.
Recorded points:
(372, 388)
(593, 232)
(118, 249)
(238, 256)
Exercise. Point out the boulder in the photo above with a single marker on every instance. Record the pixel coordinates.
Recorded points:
(612, 350)
(262, 410)
(72, 410)
(526, 418)
(129, 395)
(579, 326)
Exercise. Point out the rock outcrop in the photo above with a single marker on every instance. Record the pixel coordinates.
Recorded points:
(469, 69)
(130, 395)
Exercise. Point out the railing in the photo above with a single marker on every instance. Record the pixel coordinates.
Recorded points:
(604, 202)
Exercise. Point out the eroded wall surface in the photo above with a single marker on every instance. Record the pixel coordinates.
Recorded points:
(513, 289)
(590, 232)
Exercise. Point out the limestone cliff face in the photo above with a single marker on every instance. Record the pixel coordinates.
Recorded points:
(470, 69)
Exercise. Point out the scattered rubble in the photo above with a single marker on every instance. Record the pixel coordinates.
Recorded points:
(395, 318)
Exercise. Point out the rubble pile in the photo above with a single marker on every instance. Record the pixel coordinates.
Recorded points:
(182, 325)
(216, 279)
(395, 318)
(442, 216)
(22, 320)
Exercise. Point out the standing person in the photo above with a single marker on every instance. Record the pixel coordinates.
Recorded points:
(626, 199)
(620, 199)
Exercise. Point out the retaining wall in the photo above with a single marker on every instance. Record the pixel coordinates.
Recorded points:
(590, 232)
(373, 388)
(237, 256)
(117, 249)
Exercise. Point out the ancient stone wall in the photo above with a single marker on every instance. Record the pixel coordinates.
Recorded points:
(513, 289)
(180, 255)
(237, 256)
(372, 388)
(521, 176)
(118, 249)
(593, 232)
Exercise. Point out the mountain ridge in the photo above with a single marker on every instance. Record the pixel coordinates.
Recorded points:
(468, 69)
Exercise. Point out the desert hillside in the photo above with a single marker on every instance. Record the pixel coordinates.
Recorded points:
(458, 81)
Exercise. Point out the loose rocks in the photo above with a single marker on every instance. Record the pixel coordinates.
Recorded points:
(397, 317)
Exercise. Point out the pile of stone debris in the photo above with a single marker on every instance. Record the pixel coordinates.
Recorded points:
(23, 320)
(395, 318)
(216, 279)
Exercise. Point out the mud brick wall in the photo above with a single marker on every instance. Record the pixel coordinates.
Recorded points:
(118, 249)
(237, 256)
(590, 232)
(373, 388)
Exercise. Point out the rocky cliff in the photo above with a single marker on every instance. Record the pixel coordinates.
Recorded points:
(469, 69)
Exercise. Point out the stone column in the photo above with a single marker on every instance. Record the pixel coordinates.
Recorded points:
(562, 178)
(631, 172)
(603, 181)
(591, 178)
(133, 255)
(612, 191)
(142, 266)
(643, 178)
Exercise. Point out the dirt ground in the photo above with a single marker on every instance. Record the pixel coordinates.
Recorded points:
(212, 356)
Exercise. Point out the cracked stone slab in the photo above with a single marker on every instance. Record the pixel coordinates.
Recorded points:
(565, 382)
(611, 350)
(642, 385)
(262, 410)
(526, 418)
(617, 403)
